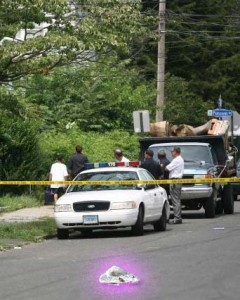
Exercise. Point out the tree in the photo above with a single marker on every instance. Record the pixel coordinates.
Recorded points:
(75, 32)
(203, 38)
(181, 102)
(99, 97)
(202, 43)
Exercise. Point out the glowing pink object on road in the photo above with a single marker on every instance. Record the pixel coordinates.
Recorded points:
(116, 275)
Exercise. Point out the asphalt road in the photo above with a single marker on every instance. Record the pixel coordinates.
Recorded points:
(198, 260)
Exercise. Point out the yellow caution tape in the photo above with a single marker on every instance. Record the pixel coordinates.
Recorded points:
(125, 182)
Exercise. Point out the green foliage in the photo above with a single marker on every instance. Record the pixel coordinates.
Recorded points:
(72, 33)
(98, 147)
(182, 105)
(202, 46)
(98, 97)
(31, 231)
(11, 203)
(19, 150)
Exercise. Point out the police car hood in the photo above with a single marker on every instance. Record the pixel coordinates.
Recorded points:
(100, 195)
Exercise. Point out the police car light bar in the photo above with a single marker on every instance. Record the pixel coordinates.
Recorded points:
(134, 163)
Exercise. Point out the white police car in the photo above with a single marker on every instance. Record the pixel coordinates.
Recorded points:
(86, 207)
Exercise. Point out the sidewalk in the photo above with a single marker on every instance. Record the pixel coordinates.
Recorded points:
(27, 214)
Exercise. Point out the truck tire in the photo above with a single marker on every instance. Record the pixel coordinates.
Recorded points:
(228, 199)
(62, 234)
(219, 207)
(219, 203)
(137, 229)
(161, 224)
(210, 204)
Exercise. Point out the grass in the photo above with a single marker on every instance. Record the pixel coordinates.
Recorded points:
(26, 232)
(18, 234)
(5, 246)
(11, 203)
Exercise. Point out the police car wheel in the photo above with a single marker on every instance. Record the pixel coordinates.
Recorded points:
(86, 232)
(161, 224)
(62, 234)
(137, 229)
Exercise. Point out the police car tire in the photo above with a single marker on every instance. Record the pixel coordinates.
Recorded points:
(137, 229)
(62, 234)
(228, 199)
(161, 224)
(86, 232)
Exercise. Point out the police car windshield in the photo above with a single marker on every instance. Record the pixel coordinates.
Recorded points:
(104, 176)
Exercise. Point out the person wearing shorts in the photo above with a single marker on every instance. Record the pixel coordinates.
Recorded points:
(58, 172)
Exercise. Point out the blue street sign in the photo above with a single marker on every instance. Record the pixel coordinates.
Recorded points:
(220, 113)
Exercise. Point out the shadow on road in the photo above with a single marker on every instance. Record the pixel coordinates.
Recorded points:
(106, 234)
(114, 233)
(148, 230)
(201, 215)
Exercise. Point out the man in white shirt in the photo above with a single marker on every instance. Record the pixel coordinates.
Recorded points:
(119, 156)
(176, 168)
(58, 172)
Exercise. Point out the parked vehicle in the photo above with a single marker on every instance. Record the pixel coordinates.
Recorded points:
(110, 206)
(204, 157)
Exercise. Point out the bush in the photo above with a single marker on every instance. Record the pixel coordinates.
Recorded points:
(98, 147)
(19, 152)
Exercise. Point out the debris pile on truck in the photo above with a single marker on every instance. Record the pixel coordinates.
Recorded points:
(212, 127)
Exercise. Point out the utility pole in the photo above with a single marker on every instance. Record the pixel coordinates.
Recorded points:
(161, 60)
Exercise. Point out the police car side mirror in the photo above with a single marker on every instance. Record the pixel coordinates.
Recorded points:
(141, 186)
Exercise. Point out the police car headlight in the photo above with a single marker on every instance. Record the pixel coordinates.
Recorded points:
(124, 205)
(63, 208)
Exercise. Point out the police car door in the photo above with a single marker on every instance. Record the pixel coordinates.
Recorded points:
(150, 197)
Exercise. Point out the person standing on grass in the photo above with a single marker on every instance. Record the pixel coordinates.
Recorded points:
(176, 168)
(77, 161)
(58, 172)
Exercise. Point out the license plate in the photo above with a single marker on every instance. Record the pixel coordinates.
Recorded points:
(90, 219)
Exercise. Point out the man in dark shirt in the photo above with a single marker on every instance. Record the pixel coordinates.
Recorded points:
(151, 165)
(163, 161)
(77, 162)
